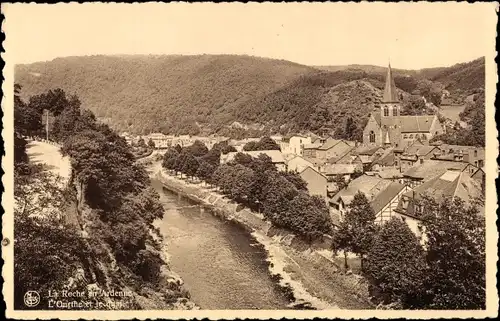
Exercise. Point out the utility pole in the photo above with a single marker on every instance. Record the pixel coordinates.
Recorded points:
(47, 124)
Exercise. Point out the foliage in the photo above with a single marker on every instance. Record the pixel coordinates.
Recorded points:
(151, 143)
(223, 147)
(415, 105)
(396, 264)
(456, 255)
(295, 179)
(357, 230)
(265, 143)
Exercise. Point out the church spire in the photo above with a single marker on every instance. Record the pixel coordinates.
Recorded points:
(390, 93)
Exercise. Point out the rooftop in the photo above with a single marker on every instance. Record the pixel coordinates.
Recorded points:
(430, 168)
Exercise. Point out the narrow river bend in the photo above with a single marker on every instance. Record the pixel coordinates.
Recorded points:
(221, 264)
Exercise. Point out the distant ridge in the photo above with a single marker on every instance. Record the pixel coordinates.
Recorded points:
(202, 94)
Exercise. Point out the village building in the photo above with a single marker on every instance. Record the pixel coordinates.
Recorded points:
(386, 160)
(386, 202)
(416, 154)
(276, 157)
(427, 169)
(450, 184)
(299, 163)
(333, 148)
(386, 126)
(369, 185)
(311, 150)
(316, 182)
(344, 170)
(469, 154)
(294, 144)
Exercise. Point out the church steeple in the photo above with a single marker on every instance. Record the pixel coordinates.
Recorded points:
(390, 93)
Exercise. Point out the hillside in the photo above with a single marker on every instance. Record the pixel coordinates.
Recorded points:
(231, 95)
(467, 77)
(319, 102)
(160, 93)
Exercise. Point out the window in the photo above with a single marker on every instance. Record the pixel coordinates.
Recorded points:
(475, 163)
(423, 136)
(421, 161)
(372, 137)
(417, 136)
(411, 136)
(405, 136)
(475, 153)
(480, 163)
(386, 111)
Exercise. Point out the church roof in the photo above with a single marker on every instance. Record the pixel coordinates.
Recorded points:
(390, 92)
(415, 124)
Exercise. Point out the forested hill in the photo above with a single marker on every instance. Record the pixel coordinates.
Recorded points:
(207, 93)
(155, 93)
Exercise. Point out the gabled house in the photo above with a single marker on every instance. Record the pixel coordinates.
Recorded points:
(428, 169)
(299, 163)
(332, 148)
(450, 184)
(294, 144)
(371, 186)
(468, 154)
(415, 154)
(385, 203)
(316, 182)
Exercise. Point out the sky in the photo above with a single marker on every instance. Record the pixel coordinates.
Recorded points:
(409, 35)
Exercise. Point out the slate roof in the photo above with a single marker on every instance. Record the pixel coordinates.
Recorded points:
(416, 124)
(384, 197)
(339, 169)
(390, 92)
(371, 186)
(431, 168)
(420, 150)
(329, 144)
(389, 173)
(452, 183)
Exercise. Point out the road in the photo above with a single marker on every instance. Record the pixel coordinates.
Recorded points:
(41, 152)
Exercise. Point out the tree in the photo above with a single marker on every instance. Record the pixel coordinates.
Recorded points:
(309, 216)
(151, 144)
(198, 149)
(224, 147)
(455, 234)
(294, 178)
(170, 159)
(141, 143)
(277, 194)
(190, 165)
(396, 265)
(340, 182)
(241, 184)
(205, 170)
(351, 131)
(27, 120)
(265, 143)
(178, 148)
(357, 229)
(414, 105)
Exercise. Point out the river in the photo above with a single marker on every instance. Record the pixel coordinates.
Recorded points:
(222, 266)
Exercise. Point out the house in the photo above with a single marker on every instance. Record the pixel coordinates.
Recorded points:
(316, 182)
(469, 154)
(414, 154)
(332, 148)
(161, 140)
(299, 163)
(311, 150)
(276, 157)
(390, 173)
(344, 170)
(371, 186)
(294, 144)
(345, 158)
(385, 203)
(386, 126)
(450, 184)
(428, 169)
(386, 160)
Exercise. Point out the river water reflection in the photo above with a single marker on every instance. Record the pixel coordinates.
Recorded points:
(218, 260)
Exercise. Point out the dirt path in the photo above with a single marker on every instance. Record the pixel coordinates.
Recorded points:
(41, 152)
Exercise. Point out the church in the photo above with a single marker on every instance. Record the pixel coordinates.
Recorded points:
(386, 127)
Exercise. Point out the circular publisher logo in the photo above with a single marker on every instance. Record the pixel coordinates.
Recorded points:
(31, 299)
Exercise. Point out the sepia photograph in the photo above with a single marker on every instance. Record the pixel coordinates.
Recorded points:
(271, 160)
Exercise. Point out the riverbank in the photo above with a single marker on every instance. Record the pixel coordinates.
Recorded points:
(307, 271)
